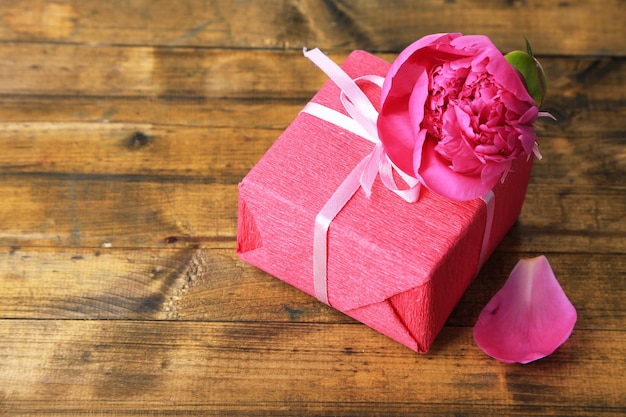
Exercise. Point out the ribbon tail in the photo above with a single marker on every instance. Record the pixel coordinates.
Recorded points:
(490, 203)
(546, 114)
(411, 194)
(324, 218)
(370, 170)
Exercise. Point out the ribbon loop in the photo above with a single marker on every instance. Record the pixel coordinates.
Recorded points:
(362, 121)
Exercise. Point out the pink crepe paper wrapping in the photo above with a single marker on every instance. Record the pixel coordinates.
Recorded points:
(397, 267)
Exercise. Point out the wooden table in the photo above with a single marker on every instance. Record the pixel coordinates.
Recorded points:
(125, 128)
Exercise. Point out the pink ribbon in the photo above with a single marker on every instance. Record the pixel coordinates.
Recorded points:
(362, 122)
(490, 202)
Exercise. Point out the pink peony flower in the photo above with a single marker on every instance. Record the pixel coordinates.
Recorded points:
(455, 114)
(528, 318)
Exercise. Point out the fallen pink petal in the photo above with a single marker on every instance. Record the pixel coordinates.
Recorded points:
(529, 318)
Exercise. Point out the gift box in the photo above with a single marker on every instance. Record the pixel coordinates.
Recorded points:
(395, 266)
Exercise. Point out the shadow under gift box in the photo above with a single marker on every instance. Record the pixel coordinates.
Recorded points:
(397, 267)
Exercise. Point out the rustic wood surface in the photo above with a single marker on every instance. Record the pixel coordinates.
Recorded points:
(125, 127)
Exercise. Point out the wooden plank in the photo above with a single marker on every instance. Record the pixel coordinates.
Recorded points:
(57, 69)
(102, 210)
(213, 285)
(116, 211)
(172, 73)
(579, 113)
(227, 153)
(156, 284)
(261, 113)
(65, 367)
(379, 25)
(196, 154)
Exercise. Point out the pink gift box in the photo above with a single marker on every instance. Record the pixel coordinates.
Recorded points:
(397, 267)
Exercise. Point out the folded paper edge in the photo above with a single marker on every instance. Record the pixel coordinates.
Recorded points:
(383, 317)
(248, 235)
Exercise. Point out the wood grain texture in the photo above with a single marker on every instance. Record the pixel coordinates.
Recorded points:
(213, 285)
(192, 72)
(333, 24)
(108, 210)
(125, 127)
(212, 366)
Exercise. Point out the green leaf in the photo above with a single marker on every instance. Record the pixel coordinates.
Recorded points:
(531, 71)
(529, 50)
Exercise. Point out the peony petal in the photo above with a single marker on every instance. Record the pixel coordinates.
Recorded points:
(438, 38)
(529, 318)
(403, 97)
(436, 174)
(400, 118)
